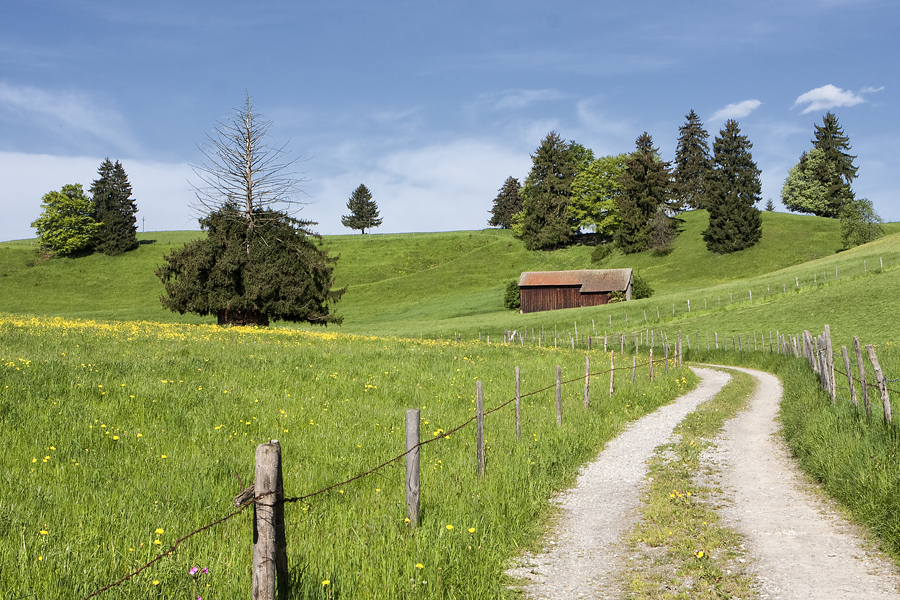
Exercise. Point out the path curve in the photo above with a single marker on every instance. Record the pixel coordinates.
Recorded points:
(798, 545)
(582, 559)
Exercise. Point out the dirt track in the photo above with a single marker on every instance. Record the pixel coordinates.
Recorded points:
(797, 545)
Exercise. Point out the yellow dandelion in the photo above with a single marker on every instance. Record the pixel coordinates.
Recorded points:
(156, 582)
(471, 530)
(44, 532)
(420, 566)
(449, 527)
(326, 582)
(160, 531)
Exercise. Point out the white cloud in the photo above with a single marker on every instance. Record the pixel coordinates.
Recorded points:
(736, 110)
(161, 190)
(829, 96)
(442, 187)
(71, 113)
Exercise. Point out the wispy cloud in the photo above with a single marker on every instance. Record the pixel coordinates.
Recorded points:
(736, 110)
(70, 114)
(519, 99)
(829, 96)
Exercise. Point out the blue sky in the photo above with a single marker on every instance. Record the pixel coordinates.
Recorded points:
(431, 104)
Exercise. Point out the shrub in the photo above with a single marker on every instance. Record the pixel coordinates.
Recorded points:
(600, 252)
(511, 297)
(640, 287)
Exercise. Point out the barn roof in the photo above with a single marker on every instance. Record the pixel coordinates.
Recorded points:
(590, 280)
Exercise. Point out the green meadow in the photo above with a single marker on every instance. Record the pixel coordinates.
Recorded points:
(122, 420)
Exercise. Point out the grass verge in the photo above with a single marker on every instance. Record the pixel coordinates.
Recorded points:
(680, 549)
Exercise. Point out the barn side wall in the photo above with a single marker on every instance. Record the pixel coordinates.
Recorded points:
(537, 299)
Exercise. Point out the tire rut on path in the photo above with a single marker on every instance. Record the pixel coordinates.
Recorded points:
(798, 545)
(582, 560)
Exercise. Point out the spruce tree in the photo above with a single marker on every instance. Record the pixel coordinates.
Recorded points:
(506, 205)
(114, 209)
(646, 185)
(692, 166)
(363, 210)
(734, 221)
(544, 221)
(837, 172)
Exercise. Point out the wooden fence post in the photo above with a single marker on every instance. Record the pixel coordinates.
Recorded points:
(849, 377)
(518, 405)
(479, 428)
(829, 358)
(862, 377)
(558, 395)
(651, 364)
(412, 466)
(270, 572)
(587, 381)
(612, 371)
(882, 385)
(633, 367)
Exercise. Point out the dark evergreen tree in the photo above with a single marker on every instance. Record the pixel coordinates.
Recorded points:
(363, 210)
(646, 185)
(544, 221)
(836, 172)
(734, 221)
(114, 209)
(692, 167)
(507, 204)
(250, 272)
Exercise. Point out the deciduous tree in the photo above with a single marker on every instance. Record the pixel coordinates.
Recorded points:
(114, 209)
(734, 221)
(363, 210)
(860, 224)
(595, 189)
(67, 223)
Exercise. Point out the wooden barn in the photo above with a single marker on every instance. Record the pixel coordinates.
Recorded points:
(552, 290)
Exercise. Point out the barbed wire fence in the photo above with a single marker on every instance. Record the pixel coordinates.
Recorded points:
(273, 496)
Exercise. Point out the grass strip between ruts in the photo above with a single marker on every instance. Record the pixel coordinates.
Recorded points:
(680, 548)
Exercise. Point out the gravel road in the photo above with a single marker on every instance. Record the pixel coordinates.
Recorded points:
(798, 545)
(583, 550)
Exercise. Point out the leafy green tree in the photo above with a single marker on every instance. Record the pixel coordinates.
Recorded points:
(692, 166)
(734, 221)
(511, 296)
(803, 190)
(506, 205)
(544, 221)
(114, 209)
(595, 190)
(363, 210)
(646, 184)
(257, 263)
(860, 224)
(67, 223)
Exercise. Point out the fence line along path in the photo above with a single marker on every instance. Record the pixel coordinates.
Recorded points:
(581, 558)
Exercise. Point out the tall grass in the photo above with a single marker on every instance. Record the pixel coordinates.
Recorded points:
(119, 438)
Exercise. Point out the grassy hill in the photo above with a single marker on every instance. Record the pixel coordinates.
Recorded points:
(448, 283)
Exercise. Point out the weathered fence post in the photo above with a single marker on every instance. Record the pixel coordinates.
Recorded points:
(587, 381)
(270, 572)
(651, 364)
(882, 385)
(518, 405)
(612, 371)
(479, 429)
(558, 395)
(849, 377)
(829, 358)
(862, 377)
(633, 367)
(412, 466)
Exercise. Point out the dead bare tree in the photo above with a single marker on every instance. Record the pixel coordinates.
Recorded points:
(243, 169)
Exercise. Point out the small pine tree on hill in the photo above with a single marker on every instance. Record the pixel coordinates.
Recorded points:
(734, 221)
(363, 210)
(506, 205)
(114, 209)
